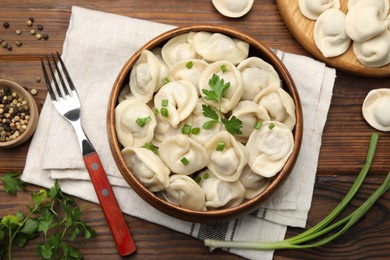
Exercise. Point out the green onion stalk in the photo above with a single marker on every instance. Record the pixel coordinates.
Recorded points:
(322, 228)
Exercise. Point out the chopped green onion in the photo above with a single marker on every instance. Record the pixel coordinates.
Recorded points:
(142, 121)
(186, 129)
(184, 161)
(195, 130)
(165, 80)
(258, 124)
(271, 125)
(189, 65)
(164, 112)
(155, 111)
(323, 227)
(206, 176)
(223, 68)
(164, 102)
(151, 147)
(197, 179)
(220, 146)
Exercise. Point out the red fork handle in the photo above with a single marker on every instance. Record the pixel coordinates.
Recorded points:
(109, 204)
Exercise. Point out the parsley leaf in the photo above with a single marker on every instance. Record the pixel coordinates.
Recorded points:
(218, 88)
(11, 183)
(232, 125)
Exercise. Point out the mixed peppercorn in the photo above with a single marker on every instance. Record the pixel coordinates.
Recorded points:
(14, 115)
(38, 32)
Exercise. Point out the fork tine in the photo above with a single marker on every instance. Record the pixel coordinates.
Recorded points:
(59, 93)
(48, 85)
(68, 78)
(60, 76)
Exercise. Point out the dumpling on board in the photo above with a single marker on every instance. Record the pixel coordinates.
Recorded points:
(134, 123)
(233, 8)
(147, 167)
(314, 8)
(329, 33)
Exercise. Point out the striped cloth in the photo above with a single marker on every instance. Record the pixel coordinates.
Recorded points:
(96, 47)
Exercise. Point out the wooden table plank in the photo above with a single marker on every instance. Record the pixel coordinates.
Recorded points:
(344, 141)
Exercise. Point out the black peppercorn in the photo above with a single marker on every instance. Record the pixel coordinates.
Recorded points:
(45, 36)
(40, 27)
(6, 25)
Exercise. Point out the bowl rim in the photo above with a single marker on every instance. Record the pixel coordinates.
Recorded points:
(33, 122)
(220, 215)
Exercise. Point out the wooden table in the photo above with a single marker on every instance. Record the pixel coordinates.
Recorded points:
(344, 143)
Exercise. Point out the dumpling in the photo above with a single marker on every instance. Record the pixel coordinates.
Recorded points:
(134, 123)
(230, 74)
(179, 48)
(250, 114)
(384, 3)
(183, 191)
(146, 76)
(269, 148)
(227, 156)
(189, 70)
(164, 130)
(147, 167)
(256, 76)
(222, 194)
(374, 52)
(233, 8)
(376, 107)
(216, 46)
(366, 20)
(196, 120)
(329, 33)
(183, 155)
(124, 93)
(175, 101)
(278, 104)
(253, 183)
(313, 8)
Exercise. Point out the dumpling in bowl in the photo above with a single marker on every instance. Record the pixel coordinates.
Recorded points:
(251, 115)
(216, 46)
(278, 104)
(253, 183)
(222, 194)
(147, 167)
(226, 71)
(183, 191)
(146, 76)
(175, 101)
(227, 156)
(179, 48)
(269, 148)
(189, 70)
(256, 76)
(183, 155)
(134, 123)
(329, 33)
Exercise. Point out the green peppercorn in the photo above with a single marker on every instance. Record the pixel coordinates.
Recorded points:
(18, 32)
(29, 22)
(18, 43)
(39, 36)
(32, 31)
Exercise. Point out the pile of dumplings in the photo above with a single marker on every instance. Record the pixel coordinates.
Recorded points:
(366, 25)
(159, 119)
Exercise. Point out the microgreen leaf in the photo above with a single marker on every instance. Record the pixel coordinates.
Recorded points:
(11, 183)
(209, 112)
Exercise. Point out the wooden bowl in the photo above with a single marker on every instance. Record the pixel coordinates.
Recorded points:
(256, 49)
(34, 114)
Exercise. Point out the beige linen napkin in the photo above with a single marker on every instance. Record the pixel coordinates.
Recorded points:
(96, 47)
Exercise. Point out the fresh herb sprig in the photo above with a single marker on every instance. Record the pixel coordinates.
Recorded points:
(53, 214)
(323, 227)
(11, 183)
(217, 89)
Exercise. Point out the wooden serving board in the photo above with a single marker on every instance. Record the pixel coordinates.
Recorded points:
(302, 29)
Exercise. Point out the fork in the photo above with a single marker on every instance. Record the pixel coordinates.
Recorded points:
(65, 99)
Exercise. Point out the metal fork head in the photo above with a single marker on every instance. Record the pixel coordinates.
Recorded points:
(61, 89)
